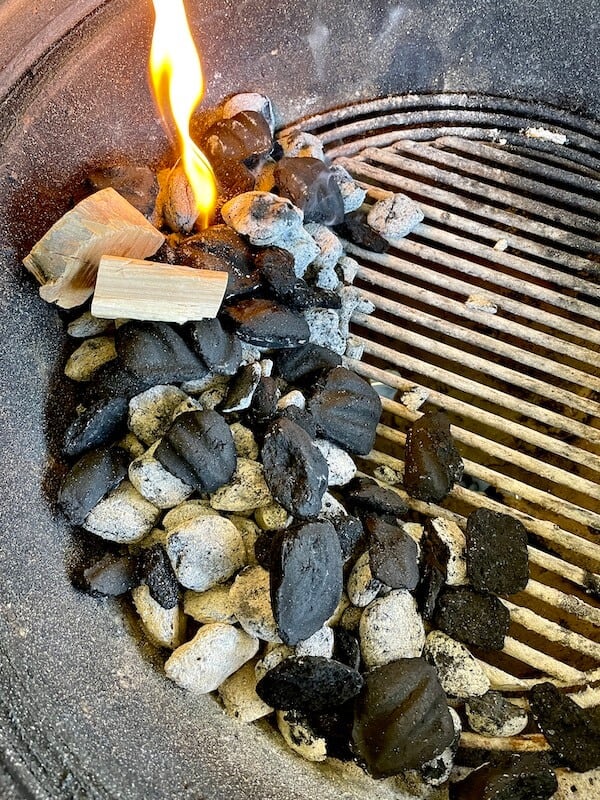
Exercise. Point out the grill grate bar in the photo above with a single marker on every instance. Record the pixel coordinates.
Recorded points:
(481, 340)
(520, 162)
(515, 429)
(476, 389)
(542, 662)
(494, 175)
(542, 338)
(475, 206)
(515, 242)
(493, 193)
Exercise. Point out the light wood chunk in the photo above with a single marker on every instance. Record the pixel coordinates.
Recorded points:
(66, 258)
(135, 289)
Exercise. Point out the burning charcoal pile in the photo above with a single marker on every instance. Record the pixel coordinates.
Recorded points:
(217, 458)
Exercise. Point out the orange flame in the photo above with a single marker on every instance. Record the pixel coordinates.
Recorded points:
(178, 87)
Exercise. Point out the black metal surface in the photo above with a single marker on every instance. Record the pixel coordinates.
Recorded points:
(84, 711)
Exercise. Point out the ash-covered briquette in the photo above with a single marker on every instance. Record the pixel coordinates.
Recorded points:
(346, 409)
(493, 715)
(526, 776)
(220, 248)
(265, 323)
(401, 718)
(311, 186)
(98, 425)
(300, 362)
(444, 550)
(366, 497)
(497, 558)
(309, 683)
(295, 470)
(198, 448)
(432, 462)
(472, 617)
(572, 732)
(306, 579)
(91, 479)
(111, 576)
(393, 555)
(155, 352)
(219, 349)
(156, 571)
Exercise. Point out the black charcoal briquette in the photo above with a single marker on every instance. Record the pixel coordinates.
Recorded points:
(89, 480)
(393, 555)
(472, 617)
(401, 717)
(295, 364)
(265, 323)
(527, 776)
(155, 351)
(309, 683)
(295, 469)
(432, 462)
(219, 349)
(306, 579)
(111, 576)
(366, 496)
(497, 558)
(156, 571)
(96, 426)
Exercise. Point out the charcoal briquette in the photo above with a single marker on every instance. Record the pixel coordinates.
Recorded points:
(241, 389)
(572, 732)
(156, 352)
(263, 407)
(472, 617)
(265, 323)
(198, 448)
(346, 648)
(244, 137)
(351, 534)
(301, 417)
(96, 426)
(526, 776)
(295, 364)
(295, 470)
(306, 579)
(401, 718)
(112, 575)
(356, 229)
(311, 186)
(156, 571)
(309, 683)
(346, 409)
(497, 558)
(393, 555)
(89, 480)
(432, 462)
(366, 497)
(218, 348)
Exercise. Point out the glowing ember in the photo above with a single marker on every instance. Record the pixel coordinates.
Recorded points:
(178, 87)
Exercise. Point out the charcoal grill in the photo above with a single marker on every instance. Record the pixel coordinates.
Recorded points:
(84, 713)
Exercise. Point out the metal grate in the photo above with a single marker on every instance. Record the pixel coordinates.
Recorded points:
(514, 220)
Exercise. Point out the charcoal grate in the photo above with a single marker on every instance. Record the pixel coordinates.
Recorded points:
(514, 219)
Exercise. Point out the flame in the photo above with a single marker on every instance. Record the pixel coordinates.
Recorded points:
(178, 87)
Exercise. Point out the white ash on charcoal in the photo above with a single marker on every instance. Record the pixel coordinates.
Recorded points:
(357, 230)
(213, 605)
(362, 587)
(87, 325)
(395, 217)
(205, 551)
(340, 464)
(264, 218)
(250, 101)
(239, 698)
(184, 512)
(324, 329)
(251, 601)
(437, 771)
(273, 655)
(216, 652)
(414, 398)
(445, 547)
(319, 644)
(391, 629)
(300, 736)
(123, 516)
(246, 490)
(460, 674)
(244, 441)
(165, 627)
(493, 715)
(272, 517)
(300, 144)
(151, 412)
(241, 389)
(353, 195)
(156, 483)
(89, 357)
(331, 508)
(293, 398)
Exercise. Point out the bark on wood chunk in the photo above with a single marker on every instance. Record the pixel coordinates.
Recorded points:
(128, 288)
(65, 259)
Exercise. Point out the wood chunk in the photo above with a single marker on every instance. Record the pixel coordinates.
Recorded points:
(133, 289)
(65, 259)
